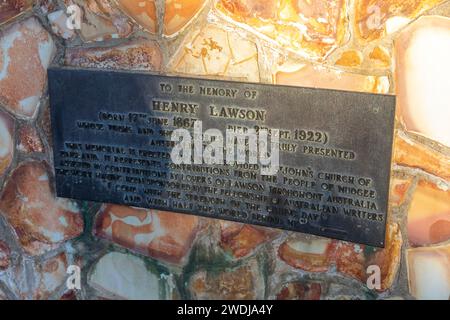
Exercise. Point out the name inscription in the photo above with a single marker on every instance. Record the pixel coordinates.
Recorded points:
(112, 143)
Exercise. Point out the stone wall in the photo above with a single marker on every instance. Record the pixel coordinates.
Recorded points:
(379, 46)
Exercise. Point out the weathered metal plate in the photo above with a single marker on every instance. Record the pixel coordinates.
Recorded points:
(112, 133)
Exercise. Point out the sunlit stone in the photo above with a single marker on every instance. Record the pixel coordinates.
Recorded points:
(216, 52)
(350, 58)
(315, 76)
(422, 69)
(376, 18)
(309, 28)
(412, 154)
(429, 215)
(143, 12)
(179, 13)
(300, 290)
(429, 272)
(380, 56)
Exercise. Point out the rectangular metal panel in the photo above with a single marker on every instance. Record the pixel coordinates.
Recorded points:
(112, 143)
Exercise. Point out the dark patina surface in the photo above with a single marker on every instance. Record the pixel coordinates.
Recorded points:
(112, 143)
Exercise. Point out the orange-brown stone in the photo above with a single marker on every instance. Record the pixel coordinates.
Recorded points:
(429, 215)
(314, 255)
(350, 58)
(29, 140)
(125, 276)
(10, 9)
(353, 260)
(242, 239)
(255, 9)
(143, 12)
(413, 154)
(179, 13)
(300, 291)
(40, 220)
(166, 236)
(27, 50)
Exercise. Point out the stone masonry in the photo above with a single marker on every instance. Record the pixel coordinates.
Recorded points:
(376, 46)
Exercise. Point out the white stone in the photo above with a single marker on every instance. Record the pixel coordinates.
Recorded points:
(125, 276)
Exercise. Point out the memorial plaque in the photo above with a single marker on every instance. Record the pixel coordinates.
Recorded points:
(114, 141)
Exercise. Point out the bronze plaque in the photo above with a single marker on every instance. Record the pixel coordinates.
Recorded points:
(113, 142)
